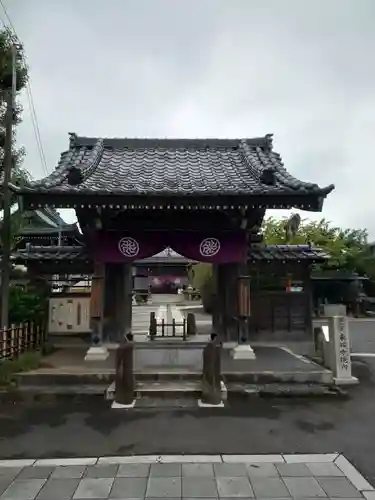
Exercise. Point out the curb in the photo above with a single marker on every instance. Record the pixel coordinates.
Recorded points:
(182, 458)
(51, 394)
(347, 468)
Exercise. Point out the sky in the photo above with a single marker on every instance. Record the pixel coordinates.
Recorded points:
(300, 69)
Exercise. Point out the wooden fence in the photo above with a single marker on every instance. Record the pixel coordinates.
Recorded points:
(21, 338)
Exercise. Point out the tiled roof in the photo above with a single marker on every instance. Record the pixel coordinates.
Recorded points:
(173, 167)
(35, 230)
(51, 253)
(46, 215)
(167, 255)
(281, 253)
(54, 216)
(285, 253)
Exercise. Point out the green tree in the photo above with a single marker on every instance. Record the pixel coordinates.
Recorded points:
(19, 174)
(348, 248)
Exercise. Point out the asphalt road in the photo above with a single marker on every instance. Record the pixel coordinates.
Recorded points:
(362, 332)
(362, 335)
(248, 426)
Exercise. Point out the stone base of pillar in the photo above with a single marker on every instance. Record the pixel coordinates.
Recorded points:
(119, 406)
(98, 353)
(243, 351)
(224, 391)
(230, 344)
(346, 381)
(208, 405)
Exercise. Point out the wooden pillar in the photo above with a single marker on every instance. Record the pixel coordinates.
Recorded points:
(231, 302)
(128, 292)
(111, 302)
(118, 286)
(220, 301)
(124, 304)
(247, 326)
(215, 311)
(97, 303)
(309, 301)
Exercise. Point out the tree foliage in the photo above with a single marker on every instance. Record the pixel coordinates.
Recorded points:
(27, 305)
(348, 248)
(202, 280)
(19, 174)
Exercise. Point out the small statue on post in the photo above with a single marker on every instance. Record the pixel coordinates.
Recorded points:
(211, 377)
(124, 378)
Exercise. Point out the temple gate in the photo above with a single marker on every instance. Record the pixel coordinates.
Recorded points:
(204, 198)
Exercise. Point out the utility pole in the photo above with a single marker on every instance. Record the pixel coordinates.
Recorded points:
(6, 227)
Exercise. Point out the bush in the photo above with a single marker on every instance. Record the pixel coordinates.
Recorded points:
(25, 362)
(26, 305)
(203, 281)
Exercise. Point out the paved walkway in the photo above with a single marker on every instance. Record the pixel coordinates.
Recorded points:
(186, 477)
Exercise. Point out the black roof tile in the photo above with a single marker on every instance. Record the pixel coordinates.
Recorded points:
(39, 230)
(173, 167)
(285, 253)
(50, 252)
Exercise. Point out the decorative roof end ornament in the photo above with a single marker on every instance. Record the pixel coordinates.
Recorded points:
(268, 177)
(291, 227)
(75, 176)
(72, 139)
(269, 141)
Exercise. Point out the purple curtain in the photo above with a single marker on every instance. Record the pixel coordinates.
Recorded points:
(126, 247)
(215, 248)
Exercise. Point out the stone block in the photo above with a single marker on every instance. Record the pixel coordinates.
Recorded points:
(243, 351)
(95, 353)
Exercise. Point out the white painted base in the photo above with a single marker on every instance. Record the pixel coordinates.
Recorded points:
(224, 391)
(119, 406)
(346, 381)
(208, 405)
(97, 354)
(110, 392)
(243, 351)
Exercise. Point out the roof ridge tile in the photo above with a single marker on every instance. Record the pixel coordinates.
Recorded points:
(225, 167)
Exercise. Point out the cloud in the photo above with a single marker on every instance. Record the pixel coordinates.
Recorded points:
(302, 70)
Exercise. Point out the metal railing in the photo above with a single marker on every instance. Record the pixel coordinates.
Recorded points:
(165, 329)
(21, 338)
(171, 329)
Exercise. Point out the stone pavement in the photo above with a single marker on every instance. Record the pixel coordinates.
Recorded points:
(328, 475)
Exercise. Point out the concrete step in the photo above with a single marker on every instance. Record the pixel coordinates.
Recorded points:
(322, 377)
(170, 403)
(170, 390)
(63, 380)
(164, 374)
(53, 393)
(283, 390)
(168, 376)
(165, 389)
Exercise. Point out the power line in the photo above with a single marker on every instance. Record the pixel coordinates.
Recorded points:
(30, 99)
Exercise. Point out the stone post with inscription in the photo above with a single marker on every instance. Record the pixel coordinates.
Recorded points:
(339, 351)
(211, 376)
(124, 378)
